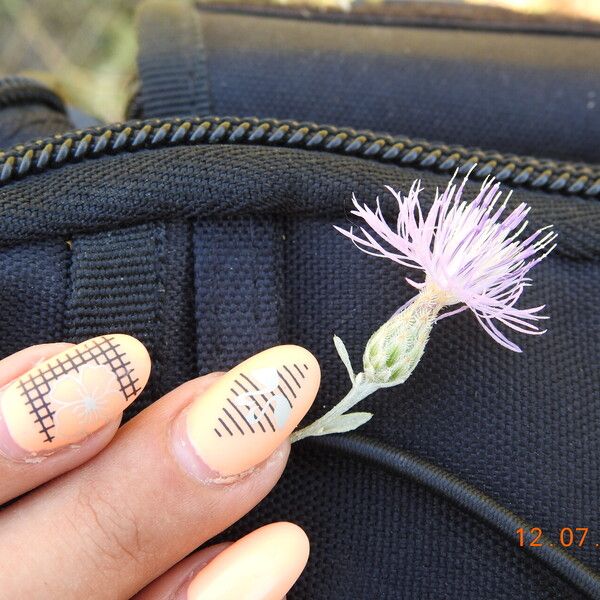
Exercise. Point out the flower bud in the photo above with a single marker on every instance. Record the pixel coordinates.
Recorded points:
(395, 349)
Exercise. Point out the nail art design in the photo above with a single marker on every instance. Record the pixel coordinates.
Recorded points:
(75, 393)
(263, 400)
(83, 399)
(253, 408)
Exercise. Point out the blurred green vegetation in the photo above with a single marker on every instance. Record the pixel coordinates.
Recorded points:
(84, 49)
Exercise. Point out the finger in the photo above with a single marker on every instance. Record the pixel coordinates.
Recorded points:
(170, 480)
(60, 404)
(262, 565)
(18, 363)
(180, 576)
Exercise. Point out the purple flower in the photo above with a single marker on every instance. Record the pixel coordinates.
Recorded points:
(472, 253)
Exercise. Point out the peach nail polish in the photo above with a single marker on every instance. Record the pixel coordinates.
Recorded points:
(248, 412)
(74, 393)
(263, 565)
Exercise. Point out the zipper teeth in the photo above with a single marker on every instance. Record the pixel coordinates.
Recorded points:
(575, 179)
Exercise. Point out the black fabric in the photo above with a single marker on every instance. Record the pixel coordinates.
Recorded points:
(29, 110)
(524, 93)
(171, 60)
(33, 293)
(28, 122)
(209, 253)
(231, 249)
(406, 465)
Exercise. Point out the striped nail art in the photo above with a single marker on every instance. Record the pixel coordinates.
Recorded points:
(247, 413)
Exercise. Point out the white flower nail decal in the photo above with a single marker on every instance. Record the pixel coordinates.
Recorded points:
(268, 381)
(82, 400)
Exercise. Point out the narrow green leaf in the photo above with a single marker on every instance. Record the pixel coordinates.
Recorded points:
(347, 422)
(341, 350)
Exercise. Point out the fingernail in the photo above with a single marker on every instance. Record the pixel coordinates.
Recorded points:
(247, 413)
(71, 395)
(263, 565)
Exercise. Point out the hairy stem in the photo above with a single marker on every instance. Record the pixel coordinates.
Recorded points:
(359, 390)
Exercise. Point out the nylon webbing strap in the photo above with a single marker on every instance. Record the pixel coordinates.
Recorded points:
(115, 288)
(114, 285)
(171, 60)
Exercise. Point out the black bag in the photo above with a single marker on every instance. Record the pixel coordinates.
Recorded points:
(210, 238)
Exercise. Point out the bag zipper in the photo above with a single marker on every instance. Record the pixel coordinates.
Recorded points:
(574, 179)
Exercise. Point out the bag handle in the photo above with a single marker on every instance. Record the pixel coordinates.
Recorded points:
(171, 60)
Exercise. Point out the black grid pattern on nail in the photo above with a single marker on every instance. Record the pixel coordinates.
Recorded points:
(36, 385)
(233, 421)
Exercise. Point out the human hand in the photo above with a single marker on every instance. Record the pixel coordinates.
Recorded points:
(112, 513)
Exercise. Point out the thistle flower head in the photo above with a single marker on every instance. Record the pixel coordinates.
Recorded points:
(472, 253)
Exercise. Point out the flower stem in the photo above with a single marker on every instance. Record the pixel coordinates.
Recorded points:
(327, 423)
